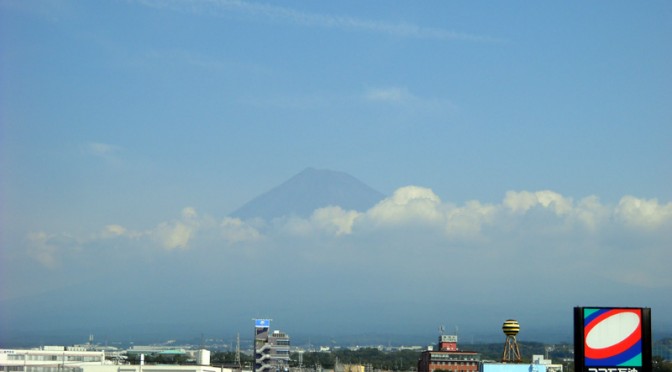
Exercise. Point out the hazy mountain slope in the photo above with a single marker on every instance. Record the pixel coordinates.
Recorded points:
(309, 190)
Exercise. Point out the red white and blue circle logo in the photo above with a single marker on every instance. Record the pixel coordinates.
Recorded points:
(613, 337)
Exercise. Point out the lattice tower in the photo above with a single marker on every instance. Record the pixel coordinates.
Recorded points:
(237, 360)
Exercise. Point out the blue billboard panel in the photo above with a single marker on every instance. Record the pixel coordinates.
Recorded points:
(262, 323)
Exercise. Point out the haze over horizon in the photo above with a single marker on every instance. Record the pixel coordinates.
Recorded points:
(522, 153)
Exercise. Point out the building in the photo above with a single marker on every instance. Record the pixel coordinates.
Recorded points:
(271, 351)
(155, 368)
(550, 367)
(279, 350)
(78, 359)
(262, 349)
(156, 351)
(512, 367)
(448, 357)
(49, 359)
(539, 364)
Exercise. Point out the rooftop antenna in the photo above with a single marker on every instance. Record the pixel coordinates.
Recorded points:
(442, 330)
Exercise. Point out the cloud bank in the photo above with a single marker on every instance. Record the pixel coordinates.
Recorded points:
(542, 225)
(412, 259)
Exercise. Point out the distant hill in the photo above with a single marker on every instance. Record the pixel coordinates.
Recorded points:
(309, 190)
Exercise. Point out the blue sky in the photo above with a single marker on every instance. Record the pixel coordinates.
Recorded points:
(133, 128)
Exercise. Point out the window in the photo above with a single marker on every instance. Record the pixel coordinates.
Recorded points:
(43, 357)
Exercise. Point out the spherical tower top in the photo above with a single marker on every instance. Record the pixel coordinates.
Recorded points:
(511, 327)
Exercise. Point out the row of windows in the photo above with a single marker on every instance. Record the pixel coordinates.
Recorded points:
(456, 363)
(452, 357)
(12, 368)
(53, 369)
(39, 369)
(69, 358)
(84, 358)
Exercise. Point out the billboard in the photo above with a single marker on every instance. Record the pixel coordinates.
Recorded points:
(612, 339)
(262, 323)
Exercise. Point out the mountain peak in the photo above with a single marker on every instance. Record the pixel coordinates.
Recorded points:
(308, 190)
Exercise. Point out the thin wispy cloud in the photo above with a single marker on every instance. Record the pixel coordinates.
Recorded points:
(104, 151)
(293, 16)
(392, 94)
(402, 98)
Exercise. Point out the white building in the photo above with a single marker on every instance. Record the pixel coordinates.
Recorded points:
(550, 367)
(154, 368)
(49, 359)
(77, 359)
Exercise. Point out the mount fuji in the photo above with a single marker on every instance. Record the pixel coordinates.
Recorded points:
(309, 190)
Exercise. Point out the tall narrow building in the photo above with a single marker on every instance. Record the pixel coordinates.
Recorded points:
(271, 350)
(262, 348)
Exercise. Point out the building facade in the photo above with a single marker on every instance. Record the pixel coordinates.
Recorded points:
(271, 350)
(49, 359)
(280, 345)
(448, 357)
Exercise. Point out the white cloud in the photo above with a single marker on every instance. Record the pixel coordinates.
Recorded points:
(189, 213)
(173, 235)
(292, 226)
(520, 202)
(542, 229)
(234, 230)
(42, 250)
(111, 232)
(115, 230)
(515, 250)
(335, 220)
(177, 234)
(643, 213)
(468, 220)
(409, 104)
(392, 94)
(109, 153)
(103, 150)
(410, 204)
(590, 214)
